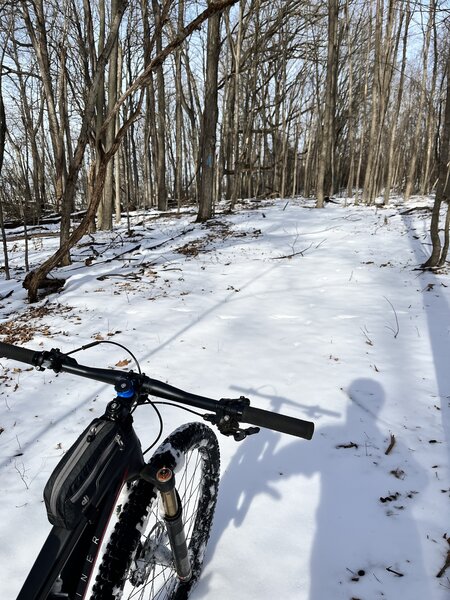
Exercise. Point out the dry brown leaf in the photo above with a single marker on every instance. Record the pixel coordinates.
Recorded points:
(123, 363)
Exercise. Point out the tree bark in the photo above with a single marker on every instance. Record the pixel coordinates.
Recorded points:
(38, 36)
(107, 202)
(330, 100)
(209, 122)
(411, 171)
(178, 186)
(2, 153)
(439, 254)
(406, 15)
(160, 165)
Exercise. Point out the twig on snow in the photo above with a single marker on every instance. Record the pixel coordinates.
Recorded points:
(368, 340)
(293, 254)
(22, 473)
(391, 444)
(349, 445)
(446, 563)
(397, 329)
(390, 570)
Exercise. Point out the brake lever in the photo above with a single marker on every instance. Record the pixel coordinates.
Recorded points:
(227, 419)
(241, 434)
(230, 427)
(53, 360)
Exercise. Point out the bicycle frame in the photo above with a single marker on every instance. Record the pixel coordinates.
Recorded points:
(65, 566)
(79, 547)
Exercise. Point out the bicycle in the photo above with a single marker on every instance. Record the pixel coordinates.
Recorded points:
(124, 527)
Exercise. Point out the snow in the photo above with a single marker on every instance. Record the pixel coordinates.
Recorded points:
(319, 314)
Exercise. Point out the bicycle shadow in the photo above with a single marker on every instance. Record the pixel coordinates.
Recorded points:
(354, 531)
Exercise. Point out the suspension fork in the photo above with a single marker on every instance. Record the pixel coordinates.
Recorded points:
(164, 480)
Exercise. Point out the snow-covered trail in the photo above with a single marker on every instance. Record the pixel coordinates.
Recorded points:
(317, 314)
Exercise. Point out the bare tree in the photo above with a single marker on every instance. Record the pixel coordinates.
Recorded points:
(35, 278)
(411, 172)
(160, 105)
(439, 251)
(209, 122)
(107, 202)
(2, 154)
(326, 135)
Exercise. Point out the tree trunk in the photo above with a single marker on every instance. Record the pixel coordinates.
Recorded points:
(38, 36)
(107, 202)
(370, 175)
(439, 254)
(178, 187)
(100, 106)
(66, 207)
(2, 153)
(236, 51)
(160, 165)
(326, 140)
(117, 157)
(394, 124)
(411, 172)
(209, 122)
(430, 137)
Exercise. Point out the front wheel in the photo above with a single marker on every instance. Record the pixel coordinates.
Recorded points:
(137, 562)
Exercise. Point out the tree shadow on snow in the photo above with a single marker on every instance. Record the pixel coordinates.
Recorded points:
(437, 310)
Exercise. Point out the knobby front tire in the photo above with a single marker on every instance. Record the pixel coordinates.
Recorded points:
(137, 560)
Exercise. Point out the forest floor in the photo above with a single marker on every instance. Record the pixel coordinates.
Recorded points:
(319, 314)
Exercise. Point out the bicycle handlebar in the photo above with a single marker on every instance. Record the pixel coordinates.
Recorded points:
(277, 422)
(57, 361)
(23, 355)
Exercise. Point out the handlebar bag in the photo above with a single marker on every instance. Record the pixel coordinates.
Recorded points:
(79, 479)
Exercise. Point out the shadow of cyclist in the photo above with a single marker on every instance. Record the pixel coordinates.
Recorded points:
(358, 536)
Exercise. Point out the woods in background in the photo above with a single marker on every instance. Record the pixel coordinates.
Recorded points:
(113, 105)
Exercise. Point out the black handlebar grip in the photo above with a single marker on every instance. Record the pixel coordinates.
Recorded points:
(271, 420)
(23, 355)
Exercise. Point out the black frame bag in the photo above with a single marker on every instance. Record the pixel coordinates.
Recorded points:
(76, 483)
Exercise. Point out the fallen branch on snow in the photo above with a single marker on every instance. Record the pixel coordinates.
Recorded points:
(293, 254)
(391, 444)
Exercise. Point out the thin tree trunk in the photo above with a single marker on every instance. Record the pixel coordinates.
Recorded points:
(393, 129)
(371, 174)
(439, 254)
(66, 207)
(236, 50)
(411, 172)
(426, 184)
(2, 153)
(160, 165)
(179, 114)
(107, 203)
(100, 106)
(117, 157)
(351, 116)
(330, 99)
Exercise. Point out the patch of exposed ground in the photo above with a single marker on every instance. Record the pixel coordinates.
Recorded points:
(24, 327)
